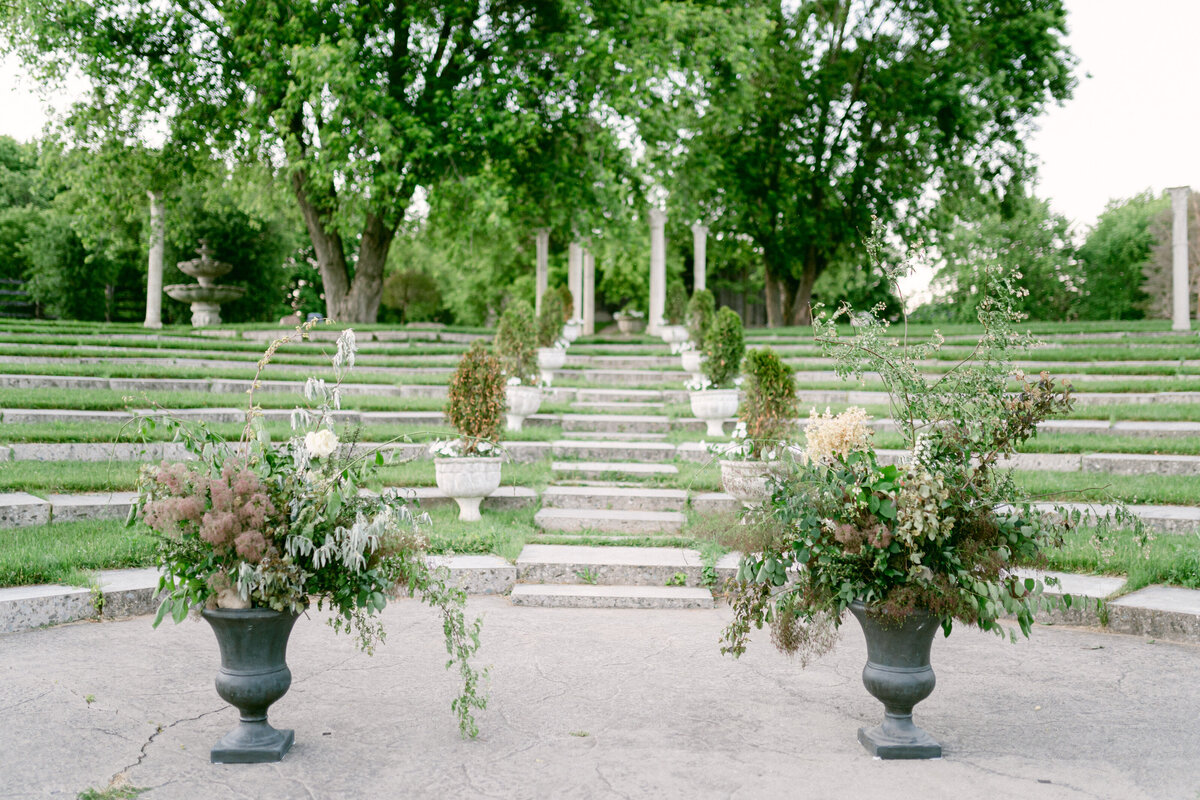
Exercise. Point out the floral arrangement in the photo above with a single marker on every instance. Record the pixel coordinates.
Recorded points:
(724, 349)
(475, 405)
(256, 524)
(516, 343)
(944, 531)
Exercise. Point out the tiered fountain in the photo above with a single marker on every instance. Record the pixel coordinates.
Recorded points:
(205, 296)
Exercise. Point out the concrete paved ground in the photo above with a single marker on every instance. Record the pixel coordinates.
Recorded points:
(597, 704)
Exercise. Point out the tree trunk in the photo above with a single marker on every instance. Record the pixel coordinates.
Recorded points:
(801, 310)
(774, 291)
(361, 303)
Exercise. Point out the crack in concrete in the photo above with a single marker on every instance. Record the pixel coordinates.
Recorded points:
(25, 701)
(1028, 779)
(122, 773)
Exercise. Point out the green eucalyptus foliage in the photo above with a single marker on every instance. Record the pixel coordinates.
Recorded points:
(550, 319)
(769, 402)
(516, 343)
(676, 303)
(701, 310)
(724, 347)
(476, 398)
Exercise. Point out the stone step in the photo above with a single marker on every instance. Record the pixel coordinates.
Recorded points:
(505, 498)
(618, 407)
(618, 396)
(615, 498)
(628, 377)
(641, 566)
(614, 451)
(587, 596)
(575, 520)
(616, 423)
(629, 362)
(616, 437)
(601, 469)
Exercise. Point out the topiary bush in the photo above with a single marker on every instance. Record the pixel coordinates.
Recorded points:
(700, 312)
(568, 302)
(476, 402)
(550, 320)
(516, 343)
(723, 349)
(676, 304)
(770, 405)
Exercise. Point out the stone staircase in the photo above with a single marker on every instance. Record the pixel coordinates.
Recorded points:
(611, 577)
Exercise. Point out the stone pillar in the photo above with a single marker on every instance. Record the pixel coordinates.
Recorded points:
(1180, 285)
(575, 277)
(543, 267)
(658, 271)
(699, 256)
(589, 292)
(154, 272)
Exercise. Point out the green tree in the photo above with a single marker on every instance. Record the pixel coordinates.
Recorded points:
(1021, 240)
(1116, 253)
(357, 105)
(856, 113)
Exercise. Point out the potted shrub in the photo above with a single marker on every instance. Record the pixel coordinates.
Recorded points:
(715, 397)
(468, 469)
(552, 347)
(913, 547)
(516, 347)
(673, 331)
(766, 417)
(699, 316)
(251, 534)
(572, 322)
(630, 320)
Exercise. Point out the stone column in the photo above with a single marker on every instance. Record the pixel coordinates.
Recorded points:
(589, 293)
(575, 277)
(543, 267)
(658, 271)
(154, 272)
(699, 256)
(1180, 285)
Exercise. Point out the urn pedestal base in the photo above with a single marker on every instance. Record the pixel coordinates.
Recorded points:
(899, 742)
(253, 743)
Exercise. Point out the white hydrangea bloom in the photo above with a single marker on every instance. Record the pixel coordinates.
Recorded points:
(320, 444)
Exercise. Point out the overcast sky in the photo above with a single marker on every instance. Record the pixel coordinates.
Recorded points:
(1133, 124)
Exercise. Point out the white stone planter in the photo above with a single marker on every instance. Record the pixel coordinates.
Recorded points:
(673, 334)
(714, 406)
(630, 324)
(746, 481)
(572, 330)
(468, 481)
(520, 402)
(691, 363)
(549, 360)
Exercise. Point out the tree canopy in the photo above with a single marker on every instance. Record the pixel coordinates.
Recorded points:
(858, 113)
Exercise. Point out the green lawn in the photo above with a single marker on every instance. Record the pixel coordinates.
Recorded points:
(1165, 558)
(65, 552)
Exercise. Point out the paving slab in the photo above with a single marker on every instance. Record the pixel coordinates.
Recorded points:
(596, 703)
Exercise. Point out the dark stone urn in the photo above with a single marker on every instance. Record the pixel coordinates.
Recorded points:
(898, 674)
(253, 675)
